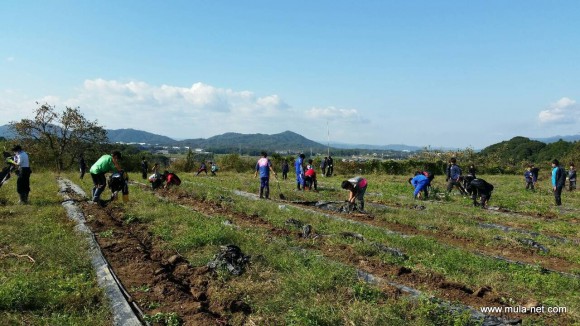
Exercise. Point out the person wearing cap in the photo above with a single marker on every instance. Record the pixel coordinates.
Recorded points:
(106, 163)
(22, 163)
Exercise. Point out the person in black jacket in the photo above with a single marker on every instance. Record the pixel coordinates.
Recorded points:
(558, 181)
(572, 177)
(480, 188)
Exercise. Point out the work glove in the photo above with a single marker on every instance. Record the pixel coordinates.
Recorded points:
(9, 160)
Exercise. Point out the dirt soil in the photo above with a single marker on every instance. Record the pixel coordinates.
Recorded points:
(159, 280)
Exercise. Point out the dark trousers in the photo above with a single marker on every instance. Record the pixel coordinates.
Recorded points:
(572, 185)
(311, 183)
(23, 184)
(484, 198)
(265, 187)
(529, 185)
(457, 184)
(99, 184)
(558, 195)
(284, 175)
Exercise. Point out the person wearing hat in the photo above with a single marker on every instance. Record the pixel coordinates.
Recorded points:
(22, 163)
(107, 163)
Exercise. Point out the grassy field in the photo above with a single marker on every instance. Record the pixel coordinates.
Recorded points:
(47, 277)
(522, 254)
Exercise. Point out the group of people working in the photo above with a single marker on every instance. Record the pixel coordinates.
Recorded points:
(305, 177)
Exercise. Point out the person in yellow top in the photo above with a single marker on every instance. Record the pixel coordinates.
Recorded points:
(107, 163)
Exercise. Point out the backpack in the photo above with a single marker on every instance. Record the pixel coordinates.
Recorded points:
(116, 182)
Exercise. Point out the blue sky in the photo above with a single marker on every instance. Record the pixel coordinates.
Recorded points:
(439, 73)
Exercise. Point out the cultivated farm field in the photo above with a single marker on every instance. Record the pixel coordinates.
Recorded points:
(403, 262)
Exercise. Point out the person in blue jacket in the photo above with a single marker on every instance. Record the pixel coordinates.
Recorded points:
(558, 181)
(421, 183)
(528, 175)
(300, 169)
(455, 177)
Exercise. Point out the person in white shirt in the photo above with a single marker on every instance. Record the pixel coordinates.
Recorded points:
(23, 165)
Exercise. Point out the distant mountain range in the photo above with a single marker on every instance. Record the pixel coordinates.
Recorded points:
(391, 147)
(570, 138)
(233, 142)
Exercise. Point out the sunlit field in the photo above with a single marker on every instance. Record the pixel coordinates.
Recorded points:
(521, 252)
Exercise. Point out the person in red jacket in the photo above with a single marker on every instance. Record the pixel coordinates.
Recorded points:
(310, 177)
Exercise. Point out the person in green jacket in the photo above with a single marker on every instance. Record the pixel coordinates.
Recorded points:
(107, 163)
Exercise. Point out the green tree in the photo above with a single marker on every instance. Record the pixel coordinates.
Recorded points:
(60, 137)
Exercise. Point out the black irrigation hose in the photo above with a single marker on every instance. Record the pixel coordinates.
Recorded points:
(387, 231)
(500, 227)
(485, 320)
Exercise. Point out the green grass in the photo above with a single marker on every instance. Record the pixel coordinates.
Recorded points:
(292, 281)
(60, 287)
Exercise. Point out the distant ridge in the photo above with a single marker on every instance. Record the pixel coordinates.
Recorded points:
(285, 141)
(392, 147)
(548, 140)
(137, 136)
(231, 141)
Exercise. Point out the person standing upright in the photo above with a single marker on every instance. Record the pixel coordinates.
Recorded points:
(22, 163)
(323, 166)
(285, 169)
(144, 168)
(572, 177)
(528, 176)
(535, 173)
(299, 169)
(264, 166)
(82, 166)
(455, 177)
(330, 166)
(558, 181)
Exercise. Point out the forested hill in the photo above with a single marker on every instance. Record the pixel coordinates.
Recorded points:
(232, 142)
(522, 149)
(225, 143)
(137, 136)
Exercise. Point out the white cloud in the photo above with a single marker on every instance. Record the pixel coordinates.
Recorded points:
(201, 110)
(564, 111)
(332, 113)
(183, 112)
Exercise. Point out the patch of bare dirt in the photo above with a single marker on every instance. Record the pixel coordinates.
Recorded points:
(160, 281)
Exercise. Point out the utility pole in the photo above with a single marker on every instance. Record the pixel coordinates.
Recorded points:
(328, 138)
